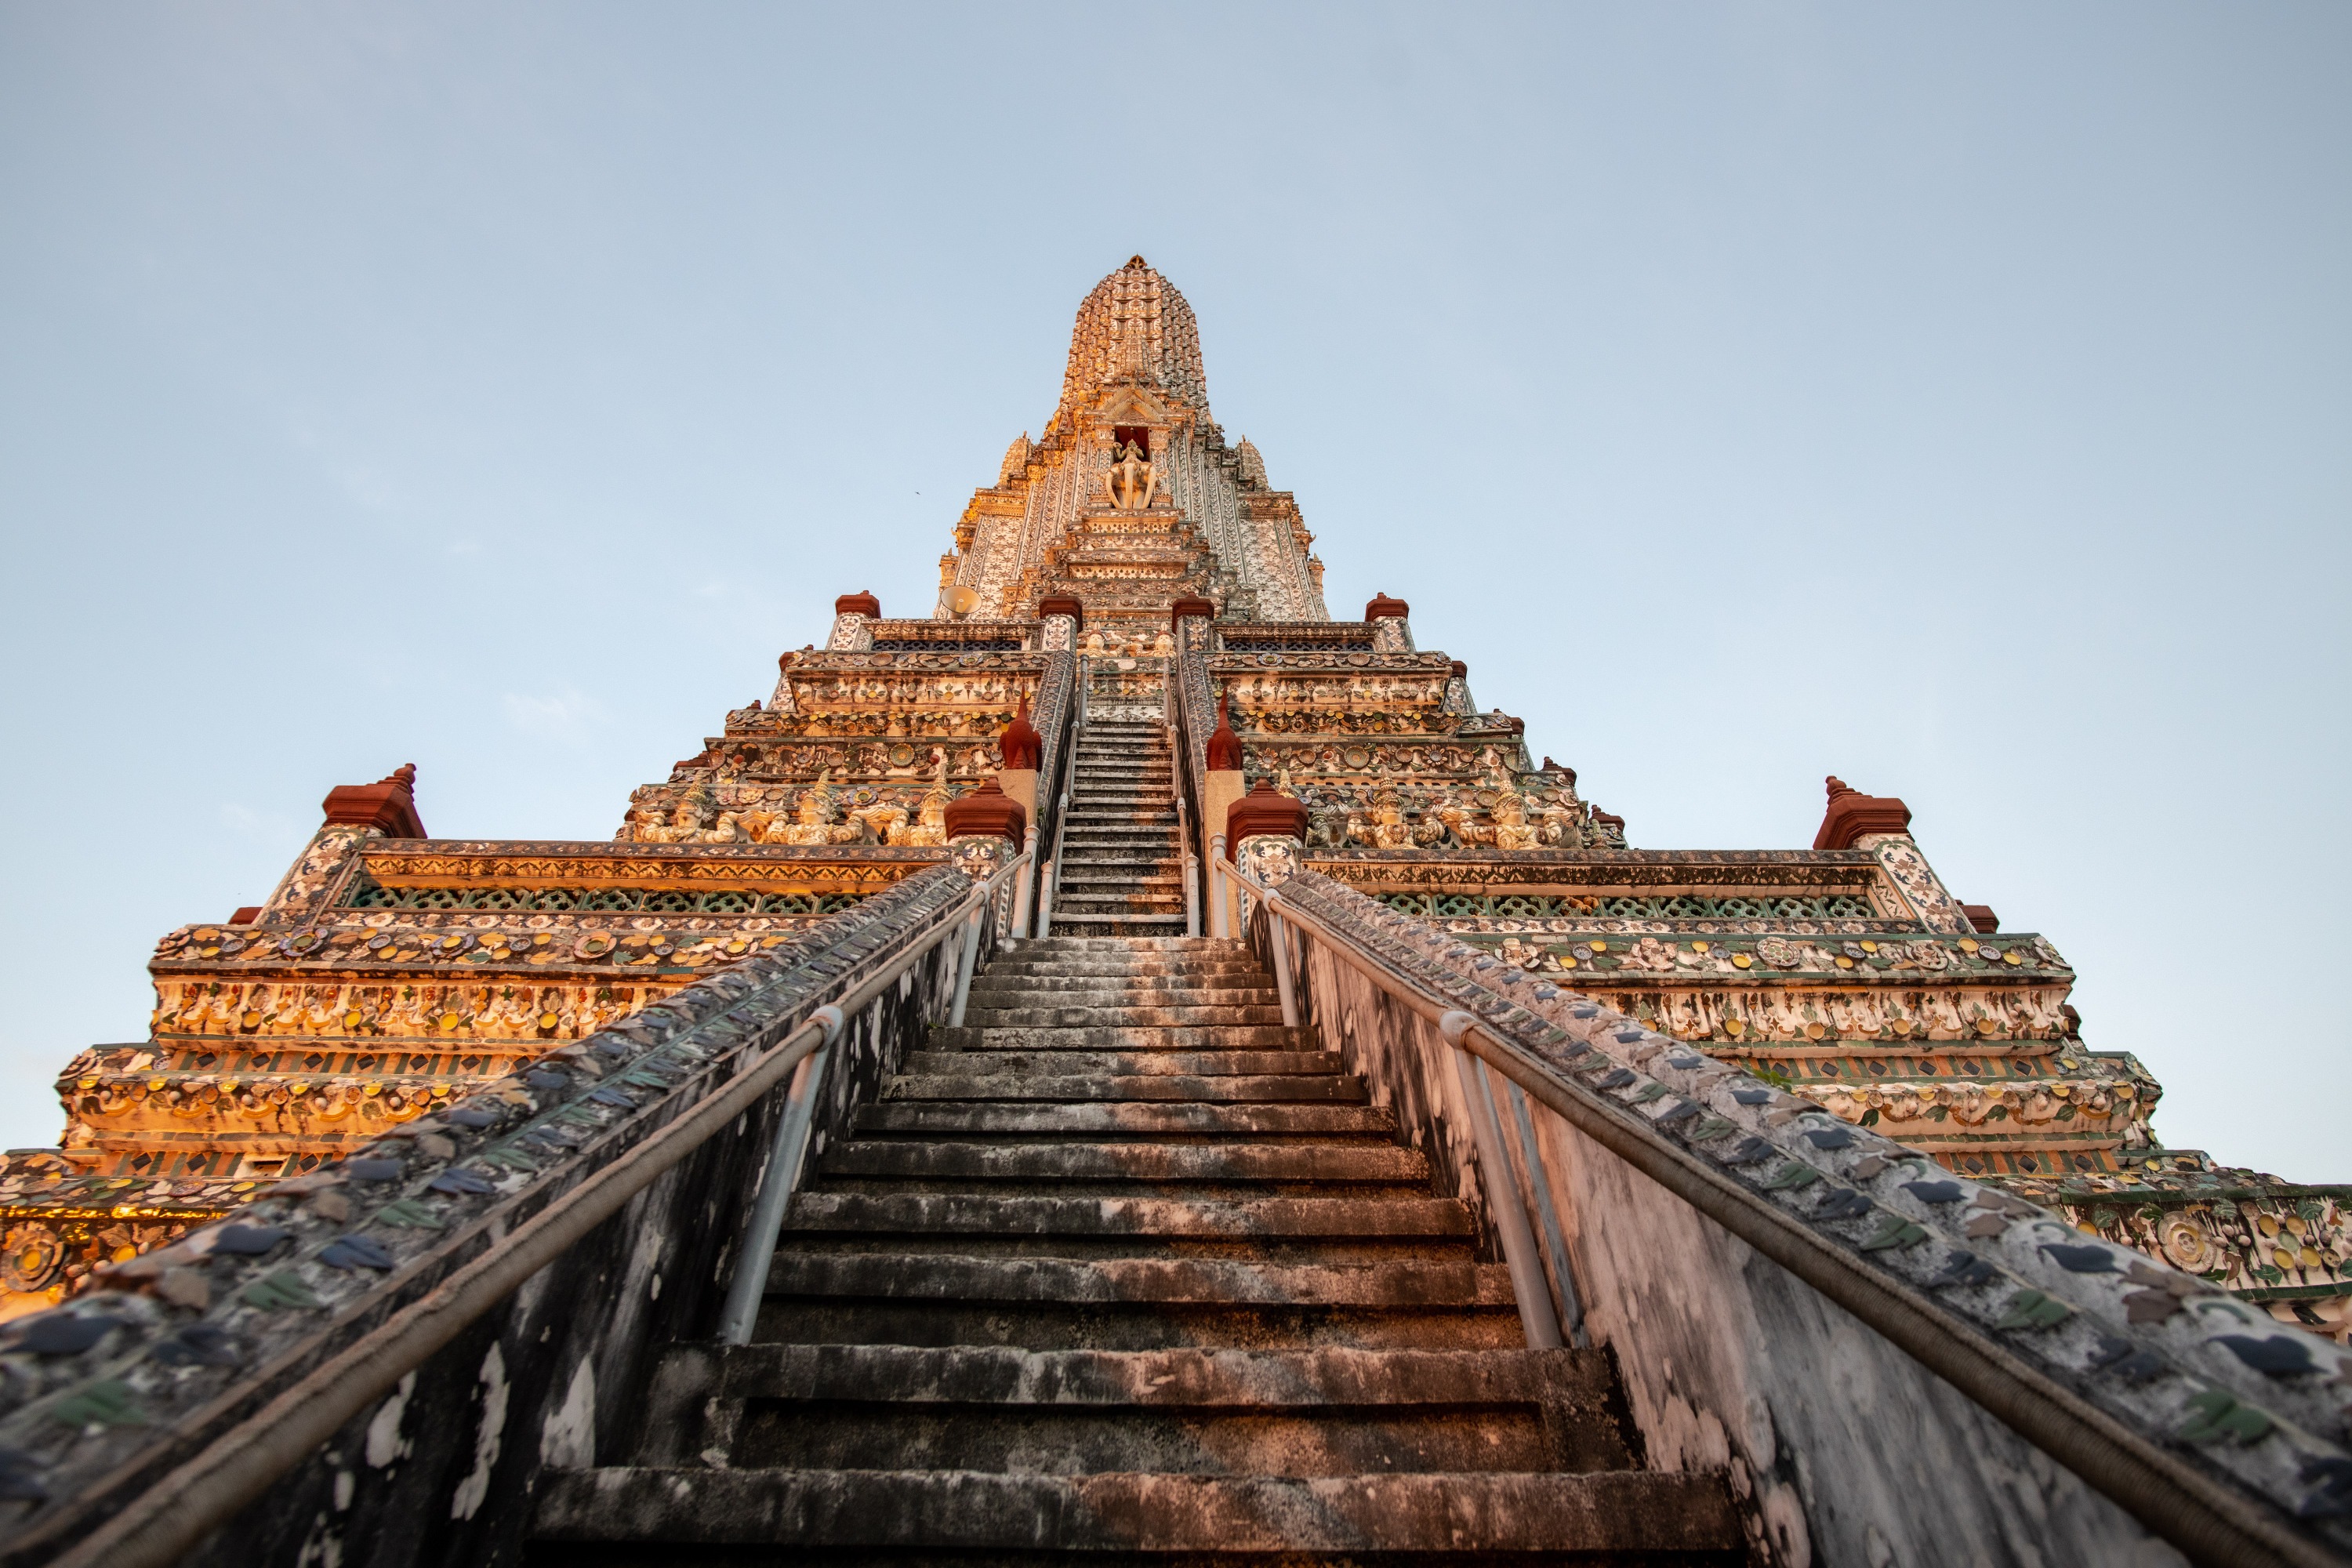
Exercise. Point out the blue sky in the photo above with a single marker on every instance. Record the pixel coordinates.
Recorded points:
(1955, 399)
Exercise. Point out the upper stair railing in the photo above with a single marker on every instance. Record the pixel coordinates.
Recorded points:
(1770, 1275)
(1059, 698)
(1066, 776)
(511, 1266)
(1193, 715)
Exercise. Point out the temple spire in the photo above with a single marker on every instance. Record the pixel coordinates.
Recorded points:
(1135, 325)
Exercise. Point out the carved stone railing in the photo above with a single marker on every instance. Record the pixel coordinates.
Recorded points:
(1267, 637)
(393, 1343)
(1800, 1300)
(951, 636)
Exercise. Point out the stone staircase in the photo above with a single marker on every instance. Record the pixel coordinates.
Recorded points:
(1122, 871)
(1125, 1271)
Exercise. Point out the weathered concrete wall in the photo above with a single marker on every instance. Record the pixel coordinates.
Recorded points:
(561, 1374)
(442, 1471)
(1845, 1450)
(1854, 1452)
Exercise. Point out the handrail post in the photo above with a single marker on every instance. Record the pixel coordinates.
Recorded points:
(1282, 981)
(1527, 1281)
(1555, 1242)
(1019, 925)
(963, 968)
(1219, 925)
(750, 1280)
(1191, 892)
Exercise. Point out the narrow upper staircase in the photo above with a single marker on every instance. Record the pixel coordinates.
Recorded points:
(1122, 865)
(1127, 1271)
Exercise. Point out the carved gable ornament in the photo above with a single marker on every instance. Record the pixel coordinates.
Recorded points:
(1131, 405)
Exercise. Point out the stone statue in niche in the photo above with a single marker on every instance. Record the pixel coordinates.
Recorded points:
(1132, 478)
(1511, 828)
(697, 820)
(815, 813)
(931, 825)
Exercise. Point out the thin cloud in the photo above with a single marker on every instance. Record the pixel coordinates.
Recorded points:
(569, 715)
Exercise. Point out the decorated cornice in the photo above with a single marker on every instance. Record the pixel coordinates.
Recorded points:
(547, 864)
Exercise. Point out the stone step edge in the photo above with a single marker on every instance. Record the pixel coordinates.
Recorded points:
(1035, 1214)
(1130, 1511)
(905, 1277)
(1320, 1378)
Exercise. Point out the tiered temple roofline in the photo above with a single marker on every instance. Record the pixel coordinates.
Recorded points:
(391, 974)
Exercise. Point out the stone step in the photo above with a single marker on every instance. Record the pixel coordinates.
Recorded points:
(979, 1214)
(1050, 1018)
(1133, 1064)
(1361, 1163)
(1609, 1512)
(1114, 1037)
(1333, 1411)
(1173, 989)
(1414, 1284)
(1080, 917)
(1100, 991)
(1208, 946)
(1083, 900)
(1212, 970)
(1331, 1378)
(1086, 906)
(1230, 1088)
(1132, 1119)
(1019, 955)
(1117, 866)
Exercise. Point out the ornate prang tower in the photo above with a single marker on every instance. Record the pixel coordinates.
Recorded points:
(1073, 515)
(1131, 562)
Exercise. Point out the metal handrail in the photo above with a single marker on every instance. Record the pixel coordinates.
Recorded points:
(1533, 1295)
(1190, 745)
(1048, 884)
(2202, 1517)
(1184, 826)
(1051, 783)
(160, 1524)
(782, 1172)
